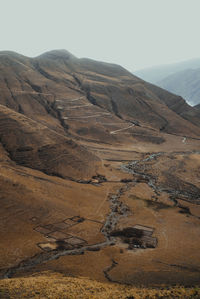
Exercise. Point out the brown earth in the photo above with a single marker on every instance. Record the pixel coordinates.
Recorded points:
(55, 285)
(99, 176)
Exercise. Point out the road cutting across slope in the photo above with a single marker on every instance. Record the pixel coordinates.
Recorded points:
(78, 106)
(91, 116)
(119, 130)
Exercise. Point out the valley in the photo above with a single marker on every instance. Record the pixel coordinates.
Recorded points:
(99, 174)
(138, 195)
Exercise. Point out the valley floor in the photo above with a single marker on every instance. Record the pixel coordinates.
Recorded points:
(99, 182)
(136, 223)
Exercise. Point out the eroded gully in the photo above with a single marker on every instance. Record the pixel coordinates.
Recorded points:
(117, 210)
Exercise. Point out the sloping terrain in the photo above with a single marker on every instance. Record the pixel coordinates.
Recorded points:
(32, 144)
(54, 285)
(177, 104)
(99, 173)
(179, 78)
(69, 94)
(185, 83)
(155, 74)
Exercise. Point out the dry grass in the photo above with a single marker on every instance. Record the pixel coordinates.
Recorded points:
(56, 286)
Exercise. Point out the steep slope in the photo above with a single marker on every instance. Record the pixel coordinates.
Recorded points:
(185, 83)
(157, 73)
(68, 95)
(33, 145)
(99, 173)
(176, 104)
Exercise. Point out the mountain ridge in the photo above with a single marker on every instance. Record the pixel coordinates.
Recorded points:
(99, 174)
(155, 74)
(185, 83)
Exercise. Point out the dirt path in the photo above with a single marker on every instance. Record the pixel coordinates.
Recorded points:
(78, 106)
(119, 130)
(76, 99)
(90, 116)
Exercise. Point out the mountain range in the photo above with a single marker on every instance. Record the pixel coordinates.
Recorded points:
(181, 78)
(185, 83)
(99, 173)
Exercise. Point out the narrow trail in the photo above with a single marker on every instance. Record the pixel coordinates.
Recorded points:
(78, 106)
(68, 100)
(123, 129)
(77, 99)
(91, 116)
(30, 92)
(103, 202)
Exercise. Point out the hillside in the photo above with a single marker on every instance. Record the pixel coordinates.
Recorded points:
(54, 285)
(51, 87)
(177, 104)
(33, 145)
(185, 83)
(99, 174)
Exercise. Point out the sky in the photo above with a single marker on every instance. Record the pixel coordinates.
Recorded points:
(133, 33)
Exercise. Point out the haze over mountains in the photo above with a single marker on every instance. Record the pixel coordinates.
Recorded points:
(185, 83)
(99, 173)
(181, 78)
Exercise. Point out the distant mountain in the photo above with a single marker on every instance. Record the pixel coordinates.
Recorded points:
(185, 83)
(155, 74)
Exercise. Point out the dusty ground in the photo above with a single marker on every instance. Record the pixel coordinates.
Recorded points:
(99, 177)
(66, 211)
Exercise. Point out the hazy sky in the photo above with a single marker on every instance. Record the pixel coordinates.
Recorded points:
(133, 33)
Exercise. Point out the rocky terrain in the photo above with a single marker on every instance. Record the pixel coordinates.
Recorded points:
(99, 173)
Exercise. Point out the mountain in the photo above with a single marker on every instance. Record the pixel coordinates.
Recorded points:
(181, 78)
(197, 106)
(177, 104)
(99, 174)
(33, 145)
(50, 88)
(185, 83)
(158, 73)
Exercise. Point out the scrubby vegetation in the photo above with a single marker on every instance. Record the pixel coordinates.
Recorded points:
(54, 285)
